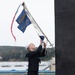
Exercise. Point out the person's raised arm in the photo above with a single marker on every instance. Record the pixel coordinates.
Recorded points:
(33, 52)
(44, 51)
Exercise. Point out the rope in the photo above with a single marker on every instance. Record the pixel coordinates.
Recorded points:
(13, 22)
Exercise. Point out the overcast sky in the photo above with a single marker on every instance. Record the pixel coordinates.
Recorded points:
(41, 10)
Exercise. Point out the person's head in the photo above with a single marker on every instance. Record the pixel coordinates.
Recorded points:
(31, 47)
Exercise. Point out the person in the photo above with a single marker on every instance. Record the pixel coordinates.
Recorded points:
(33, 55)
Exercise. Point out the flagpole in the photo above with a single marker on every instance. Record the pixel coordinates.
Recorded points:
(33, 21)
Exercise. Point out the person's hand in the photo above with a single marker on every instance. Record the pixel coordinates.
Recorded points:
(44, 45)
(41, 42)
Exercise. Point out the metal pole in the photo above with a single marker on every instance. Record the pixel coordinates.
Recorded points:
(33, 21)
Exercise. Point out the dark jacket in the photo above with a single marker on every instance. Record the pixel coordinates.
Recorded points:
(33, 58)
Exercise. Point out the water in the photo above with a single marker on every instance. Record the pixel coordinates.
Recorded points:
(22, 66)
(25, 73)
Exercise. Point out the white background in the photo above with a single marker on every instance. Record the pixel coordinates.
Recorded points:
(41, 10)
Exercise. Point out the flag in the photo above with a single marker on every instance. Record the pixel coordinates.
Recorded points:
(23, 21)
